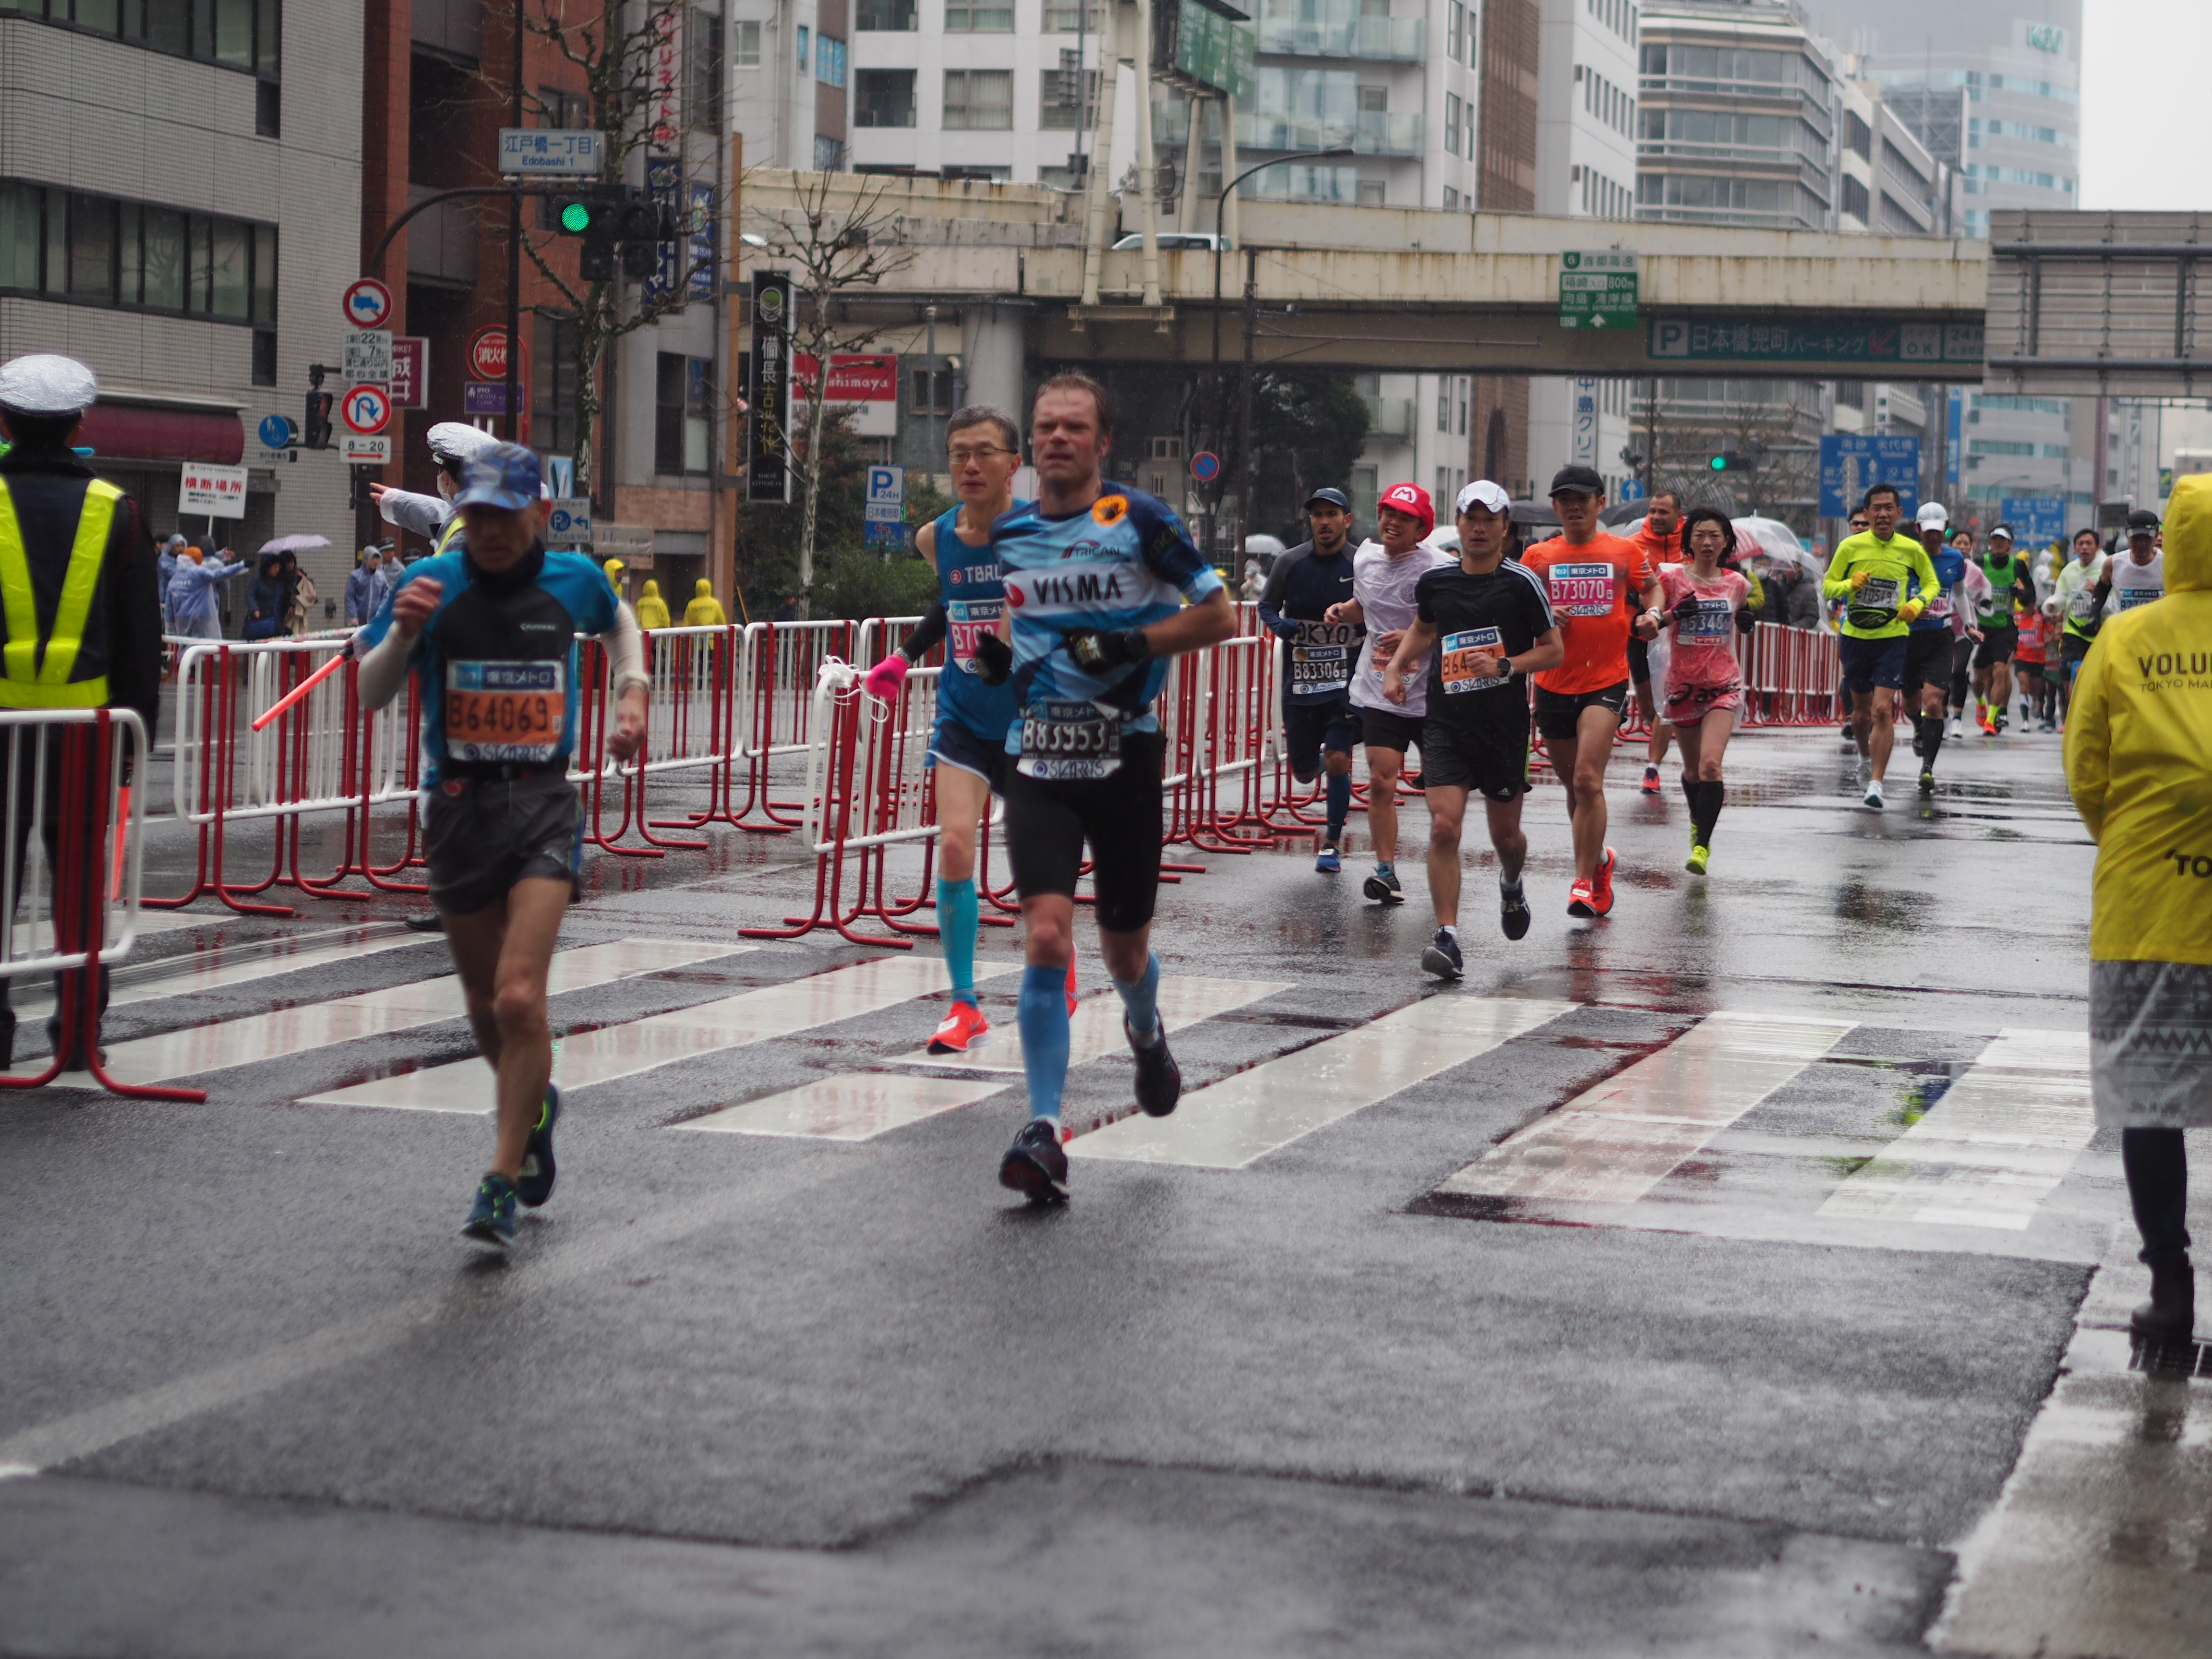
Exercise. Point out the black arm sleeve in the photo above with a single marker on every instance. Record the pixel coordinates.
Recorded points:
(134, 622)
(928, 634)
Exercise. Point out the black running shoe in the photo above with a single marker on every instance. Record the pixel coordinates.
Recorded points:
(1441, 956)
(1513, 913)
(491, 1218)
(535, 1184)
(1035, 1166)
(1382, 887)
(1159, 1080)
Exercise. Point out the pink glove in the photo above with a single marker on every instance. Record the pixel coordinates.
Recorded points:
(884, 679)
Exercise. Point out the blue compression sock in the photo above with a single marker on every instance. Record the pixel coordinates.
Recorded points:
(1044, 1037)
(1339, 803)
(1142, 1002)
(955, 930)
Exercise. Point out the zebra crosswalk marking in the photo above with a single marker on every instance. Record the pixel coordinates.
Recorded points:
(1229, 1124)
(1095, 1029)
(1615, 1141)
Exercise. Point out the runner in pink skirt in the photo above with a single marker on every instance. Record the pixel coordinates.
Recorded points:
(1706, 606)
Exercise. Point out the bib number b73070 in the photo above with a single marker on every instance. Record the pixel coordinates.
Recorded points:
(505, 713)
(1070, 741)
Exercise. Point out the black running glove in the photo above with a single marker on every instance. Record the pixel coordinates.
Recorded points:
(994, 659)
(1685, 607)
(1744, 619)
(1094, 649)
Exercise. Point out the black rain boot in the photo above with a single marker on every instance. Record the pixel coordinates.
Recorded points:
(2170, 1316)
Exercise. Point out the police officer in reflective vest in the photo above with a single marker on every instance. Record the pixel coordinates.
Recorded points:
(80, 623)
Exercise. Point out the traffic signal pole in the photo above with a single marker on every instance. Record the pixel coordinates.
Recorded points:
(514, 258)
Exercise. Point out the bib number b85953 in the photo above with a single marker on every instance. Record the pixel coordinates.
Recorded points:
(1068, 741)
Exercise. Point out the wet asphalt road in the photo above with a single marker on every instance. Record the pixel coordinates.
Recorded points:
(740, 1394)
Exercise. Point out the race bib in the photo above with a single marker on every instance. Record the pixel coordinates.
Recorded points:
(2082, 604)
(967, 620)
(1943, 604)
(1874, 605)
(2131, 597)
(1321, 659)
(502, 714)
(1456, 663)
(1714, 620)
(1063, 741)
(1582, 590)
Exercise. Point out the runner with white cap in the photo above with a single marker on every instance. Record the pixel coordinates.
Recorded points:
(1491, 616)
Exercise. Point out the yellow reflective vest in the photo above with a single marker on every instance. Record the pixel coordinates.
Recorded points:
(2139, 756)
(41, 673)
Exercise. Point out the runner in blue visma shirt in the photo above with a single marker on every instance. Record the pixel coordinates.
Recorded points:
(489, 629)
(968, 743)
(1095, 582)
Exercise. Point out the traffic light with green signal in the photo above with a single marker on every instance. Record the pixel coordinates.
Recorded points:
(594, 213)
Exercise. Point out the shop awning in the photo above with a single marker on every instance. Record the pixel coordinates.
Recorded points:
(154, 432)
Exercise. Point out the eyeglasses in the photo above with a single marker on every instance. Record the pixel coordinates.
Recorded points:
(962, 456)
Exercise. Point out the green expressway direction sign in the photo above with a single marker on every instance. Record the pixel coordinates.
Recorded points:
(1597, 288)
(1816, 340)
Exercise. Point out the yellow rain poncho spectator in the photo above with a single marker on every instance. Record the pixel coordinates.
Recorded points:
(705, 610)
(2139, 761)
(652, 608)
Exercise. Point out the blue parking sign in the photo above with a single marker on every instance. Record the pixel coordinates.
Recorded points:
(885, 507)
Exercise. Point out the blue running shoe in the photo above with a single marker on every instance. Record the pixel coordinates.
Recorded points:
(1330, 862)
(491, 1219)
(535, 1184)
(1159, 1080)
(1382, 886)
(1034, 1165)
(1442, 957)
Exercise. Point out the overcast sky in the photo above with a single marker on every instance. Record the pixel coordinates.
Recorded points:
(2145, 105)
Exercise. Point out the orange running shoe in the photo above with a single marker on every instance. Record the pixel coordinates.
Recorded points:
(964, 1027)
(1602, 884)
(1071, 987)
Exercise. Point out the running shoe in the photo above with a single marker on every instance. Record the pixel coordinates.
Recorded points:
(964, 1028)
(1927, 780)
(491, 1218)
(1601, 884)
(1579, 901)
(2048, 726)
(1698, 855)
(535, 1184)
(1998, 722)
(1034, 1165)
(1918, 747)
(1513, 913)
(1382, 886)
(1650, 779)
(1159, 1080)
(1958, 729)
(1441, 956)
(1329, 862)
(1873, 796)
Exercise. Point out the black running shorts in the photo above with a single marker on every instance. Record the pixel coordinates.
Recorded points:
(1493, 762)
(1383, 728)
(1558, 714)
(482, 836)
(1928, 658)
(1048, 821)
(1997, 646)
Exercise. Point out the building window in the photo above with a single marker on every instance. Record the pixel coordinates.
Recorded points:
(1858, 137)
(134, 256)
(240, 34)
(682, 388)
(1451, 197)
(979, 17)
(828, 154)
(896, 14)
(1443, 403)
(805, 34)
(1452, 107)
(1056, 110)
(928, 391)
(979, 100)
(1455, 30)
(1370, 192)
(883, 98)
(703, 71)
(553, 387)
(1059, 18)
(744, 44)
(830, 61)
(1855, 199)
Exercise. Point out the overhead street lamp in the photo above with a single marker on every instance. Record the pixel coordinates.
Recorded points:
(1220, 203)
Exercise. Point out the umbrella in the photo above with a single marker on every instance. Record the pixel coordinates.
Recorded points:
(1774, 538)
(295, 544)
(1268, 546)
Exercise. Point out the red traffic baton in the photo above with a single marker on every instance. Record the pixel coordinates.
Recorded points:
(276, 709)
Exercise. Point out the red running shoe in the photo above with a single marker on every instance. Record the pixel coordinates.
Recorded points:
(1601, 884)
(1580, 901)
(964, 1027)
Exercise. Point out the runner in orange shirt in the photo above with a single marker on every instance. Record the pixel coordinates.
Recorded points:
(1603, 588)
(1660, 535)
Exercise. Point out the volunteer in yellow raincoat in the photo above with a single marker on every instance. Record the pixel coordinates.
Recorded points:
(652, 608)
(705, 610)
(2139, 761)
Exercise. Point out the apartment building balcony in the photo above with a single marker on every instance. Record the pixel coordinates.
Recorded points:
(1370, 132)
(1369, 39)
(1389, 417)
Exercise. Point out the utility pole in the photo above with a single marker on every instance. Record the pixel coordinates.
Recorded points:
(1247, 474)
(514, 258)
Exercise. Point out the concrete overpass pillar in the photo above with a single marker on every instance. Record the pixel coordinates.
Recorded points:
(994, 343)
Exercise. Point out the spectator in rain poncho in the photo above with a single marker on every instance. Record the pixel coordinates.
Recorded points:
(652, 608)
(166, 566)
(360, 587)
(705, 610)
(265, 600)
(191, 594)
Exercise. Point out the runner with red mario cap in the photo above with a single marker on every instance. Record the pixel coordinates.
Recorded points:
(1384, 572)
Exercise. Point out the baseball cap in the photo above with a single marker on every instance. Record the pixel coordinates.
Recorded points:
(2003, 530)
(45, 384)
(2142, 522)
(1411, 498)
(505, 476)
(457, 441)
(1933, 515)
(1578, 481)
(1483, 492)
(1330, 498)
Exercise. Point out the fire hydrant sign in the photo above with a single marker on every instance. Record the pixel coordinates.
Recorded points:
(1597, 288)
(213, 492)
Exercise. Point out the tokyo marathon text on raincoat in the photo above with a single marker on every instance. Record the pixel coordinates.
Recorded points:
(2139, 763)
